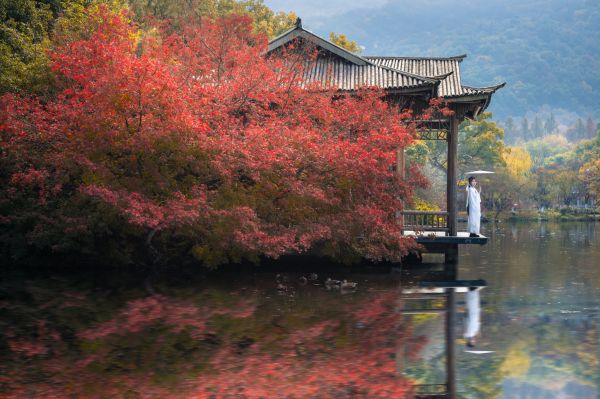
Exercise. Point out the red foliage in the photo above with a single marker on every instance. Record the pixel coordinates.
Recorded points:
(197, 131)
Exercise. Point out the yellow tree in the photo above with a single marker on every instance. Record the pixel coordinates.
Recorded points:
(590, 173)
(341, 40)
(518, 163)
(266, 20)
(510, 184)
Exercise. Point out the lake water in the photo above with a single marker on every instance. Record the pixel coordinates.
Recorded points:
(185, 334)
(542, 311)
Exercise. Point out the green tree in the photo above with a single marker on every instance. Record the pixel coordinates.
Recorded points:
(511, 183)
(551, 126)
(24, 36)
(564, 174)
(537, 129)
(590, 173)
(266, 20)
(30, 28)
(579, 129)
(480, 146)
(588, 153)
(546, 147)
(510, 129)
(525, 129)
(590, 128)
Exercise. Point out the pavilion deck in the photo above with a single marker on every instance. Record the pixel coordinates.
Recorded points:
(431, 227)
(438, 237)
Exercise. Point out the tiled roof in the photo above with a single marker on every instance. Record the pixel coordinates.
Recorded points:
(348, 71)
(344, 75)
(451, 86)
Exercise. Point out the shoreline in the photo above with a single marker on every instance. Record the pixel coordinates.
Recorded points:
(536, 216)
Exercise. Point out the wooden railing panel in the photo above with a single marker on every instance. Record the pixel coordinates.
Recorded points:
(420, 221)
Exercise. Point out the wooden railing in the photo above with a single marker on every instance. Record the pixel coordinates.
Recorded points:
(425, 220)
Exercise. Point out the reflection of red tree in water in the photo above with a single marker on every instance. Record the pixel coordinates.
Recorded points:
(179, 316)
(311, 365)
(351, 357)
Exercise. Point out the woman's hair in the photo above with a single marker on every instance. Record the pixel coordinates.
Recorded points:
(471, 178)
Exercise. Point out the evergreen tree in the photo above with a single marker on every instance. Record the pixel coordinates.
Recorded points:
(537, 128)
(551, 126)
(509, 129)
(525, 129)
(579, 129)
(590, 128)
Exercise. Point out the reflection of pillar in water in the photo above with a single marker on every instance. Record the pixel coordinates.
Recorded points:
(450, 345)
(445, 290)
(400, 345)
(597, 325)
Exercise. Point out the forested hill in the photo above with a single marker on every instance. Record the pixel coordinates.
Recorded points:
(547, 51)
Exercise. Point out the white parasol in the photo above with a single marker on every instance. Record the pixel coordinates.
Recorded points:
(480, 172)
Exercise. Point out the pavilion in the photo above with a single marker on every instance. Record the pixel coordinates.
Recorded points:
(409, 82)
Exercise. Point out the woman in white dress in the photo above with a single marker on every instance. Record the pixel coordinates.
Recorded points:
(473, 207)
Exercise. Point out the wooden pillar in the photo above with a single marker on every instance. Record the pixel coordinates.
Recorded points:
(400, 164)
(401, 173)
(451, 254)
(450, 344)
(451, 175)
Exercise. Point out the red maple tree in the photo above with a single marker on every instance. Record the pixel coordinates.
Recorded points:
(193, 135)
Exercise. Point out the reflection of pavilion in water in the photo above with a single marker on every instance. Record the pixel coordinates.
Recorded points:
(425, 295)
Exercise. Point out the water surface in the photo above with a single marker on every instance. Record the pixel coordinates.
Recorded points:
(184, 334)
(542, 312)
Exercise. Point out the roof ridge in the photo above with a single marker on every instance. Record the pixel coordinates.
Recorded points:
(300, 29)
(458, 58)
(433, 79)
(333, 44)
(279, 36)
(351, 54)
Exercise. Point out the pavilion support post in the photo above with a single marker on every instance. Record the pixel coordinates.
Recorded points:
(451, 175)
(400, 164)
(450, 344)
(451, 254)
(401, 173)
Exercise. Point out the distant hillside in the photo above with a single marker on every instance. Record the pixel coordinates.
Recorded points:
(547, 51)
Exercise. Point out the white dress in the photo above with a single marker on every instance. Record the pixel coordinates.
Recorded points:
(474, 207)
(473, 322)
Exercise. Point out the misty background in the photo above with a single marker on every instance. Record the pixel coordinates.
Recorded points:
(546, 51)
